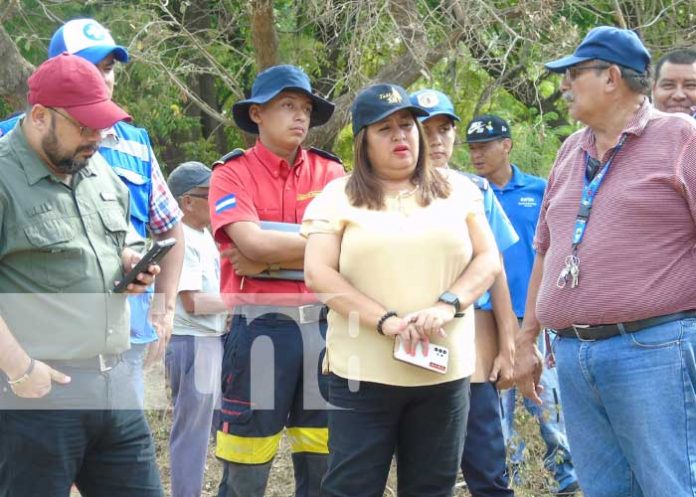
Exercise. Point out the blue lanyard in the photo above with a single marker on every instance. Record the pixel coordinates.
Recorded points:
(589, 192)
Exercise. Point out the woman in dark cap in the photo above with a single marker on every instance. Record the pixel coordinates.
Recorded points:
(399, 251)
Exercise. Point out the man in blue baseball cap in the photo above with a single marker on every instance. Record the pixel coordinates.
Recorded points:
(483, 462)
(273, 181)
(154, 210)
(621, 191)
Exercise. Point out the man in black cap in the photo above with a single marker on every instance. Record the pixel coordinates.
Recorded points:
(489, 138)
(620, 192)
(273, 181)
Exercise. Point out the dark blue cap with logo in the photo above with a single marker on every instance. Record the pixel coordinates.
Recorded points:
(187, 176)
(435, 103)
(268, 84)
(376, 102)
(618, 46)
(487, 128)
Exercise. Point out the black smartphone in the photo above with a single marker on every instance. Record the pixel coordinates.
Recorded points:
(158, 250)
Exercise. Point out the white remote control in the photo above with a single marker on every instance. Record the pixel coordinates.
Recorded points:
(436, 360)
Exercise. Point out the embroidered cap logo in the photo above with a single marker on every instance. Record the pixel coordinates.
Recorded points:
(392, 97)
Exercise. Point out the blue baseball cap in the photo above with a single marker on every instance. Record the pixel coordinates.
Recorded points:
(86, 38)
(618, 46)
(188, 176)
(268, 84)
(487, 128)
(435, 103)
(376, 102)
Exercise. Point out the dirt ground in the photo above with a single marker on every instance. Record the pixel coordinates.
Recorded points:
(536, 481)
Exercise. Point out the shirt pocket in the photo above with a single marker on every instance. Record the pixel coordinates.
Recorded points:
(57, 261)
(115, 226)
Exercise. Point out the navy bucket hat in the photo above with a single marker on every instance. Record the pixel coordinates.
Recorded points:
(618, 46)
(268, 84)
(376, 102)
(435, 103)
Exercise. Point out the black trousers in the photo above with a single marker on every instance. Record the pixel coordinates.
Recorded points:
(425, 426)
(47, 445)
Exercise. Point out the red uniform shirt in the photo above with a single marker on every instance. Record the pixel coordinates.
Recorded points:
(260, 186)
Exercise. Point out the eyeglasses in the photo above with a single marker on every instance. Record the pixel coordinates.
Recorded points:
(574, 71)
(84, 130)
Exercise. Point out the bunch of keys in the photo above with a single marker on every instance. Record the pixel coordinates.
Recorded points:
(570, 269)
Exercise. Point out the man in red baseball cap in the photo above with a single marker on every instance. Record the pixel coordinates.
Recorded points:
(72, 90)
(68, 410)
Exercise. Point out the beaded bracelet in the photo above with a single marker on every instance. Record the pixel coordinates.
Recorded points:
(381, 321)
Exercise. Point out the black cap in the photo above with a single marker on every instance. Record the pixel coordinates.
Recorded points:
(376, 102)
(487, 128)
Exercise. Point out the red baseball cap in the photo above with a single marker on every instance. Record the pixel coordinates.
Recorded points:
(76, 85)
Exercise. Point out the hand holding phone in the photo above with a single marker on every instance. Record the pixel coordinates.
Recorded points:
(153, 256)
(435, 359)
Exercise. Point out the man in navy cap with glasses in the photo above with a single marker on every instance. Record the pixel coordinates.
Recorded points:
(278, 325)
(613, 277)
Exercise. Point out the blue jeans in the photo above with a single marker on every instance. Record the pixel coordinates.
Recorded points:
(483, 464)
(630, 406)
(425, 426)
(557, 458)
(134, 359)
(193, 367)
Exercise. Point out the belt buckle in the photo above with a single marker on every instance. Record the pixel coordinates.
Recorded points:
(577, 334)
(304, 313)
(103, 365)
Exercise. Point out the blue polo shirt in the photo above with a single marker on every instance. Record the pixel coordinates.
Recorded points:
(521, 200)
(503, 231)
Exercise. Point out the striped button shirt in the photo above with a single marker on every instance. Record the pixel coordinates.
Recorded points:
(638, 255)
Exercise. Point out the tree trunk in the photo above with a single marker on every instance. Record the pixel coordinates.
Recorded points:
(14, 71)
(263, 34)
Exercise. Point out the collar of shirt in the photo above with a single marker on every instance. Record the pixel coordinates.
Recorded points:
(33, 165)
(278, 166)
(636, 125)
(518, 180)
(109, 136)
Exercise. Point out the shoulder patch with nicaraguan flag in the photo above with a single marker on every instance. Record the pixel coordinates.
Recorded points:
(225, 203)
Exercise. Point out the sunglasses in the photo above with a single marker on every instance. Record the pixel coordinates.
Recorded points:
(574, 71)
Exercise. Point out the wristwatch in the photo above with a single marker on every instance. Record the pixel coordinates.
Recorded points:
(453, 300)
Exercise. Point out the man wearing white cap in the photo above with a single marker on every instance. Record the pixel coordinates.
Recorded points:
(154, 210)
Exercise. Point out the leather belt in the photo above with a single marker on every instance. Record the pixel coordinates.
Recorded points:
(603, 331)
(101, 363)
(303, 314)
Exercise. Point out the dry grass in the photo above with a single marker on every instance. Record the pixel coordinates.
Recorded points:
(536, 480)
